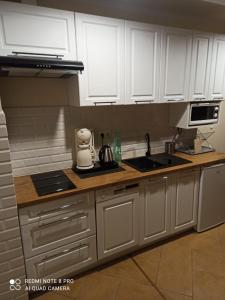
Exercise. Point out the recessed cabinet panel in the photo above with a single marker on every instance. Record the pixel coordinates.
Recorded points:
(100, 44)
(217, 78)
(200, 68)
(118, 236)
(33, 29)
(48, 234)
(175, 64)
(117, 224)
(143, 45)
(155, 209)
(63, 261)
(185, 200)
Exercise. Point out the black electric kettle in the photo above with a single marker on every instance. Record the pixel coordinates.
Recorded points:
(105, 153)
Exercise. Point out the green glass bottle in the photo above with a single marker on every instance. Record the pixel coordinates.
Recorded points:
(117, 147)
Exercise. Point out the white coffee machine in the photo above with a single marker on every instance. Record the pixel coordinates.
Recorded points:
(84, 149)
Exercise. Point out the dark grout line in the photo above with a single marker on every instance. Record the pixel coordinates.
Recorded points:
(150, 281)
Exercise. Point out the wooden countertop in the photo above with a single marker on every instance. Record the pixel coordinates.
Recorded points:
(26, 193)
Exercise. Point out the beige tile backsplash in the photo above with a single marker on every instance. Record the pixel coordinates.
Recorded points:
(41, 124)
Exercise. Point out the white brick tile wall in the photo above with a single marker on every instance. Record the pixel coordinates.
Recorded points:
(11, 254)
(8, 202)
(6, 179)
(39, 139)
(4, 144)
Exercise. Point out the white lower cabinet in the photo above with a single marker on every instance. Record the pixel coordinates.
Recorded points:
(185, 200)
(59, 236)
(168, 205)
(155, 209)
(62, 261)
(49, 234)
(117, 219)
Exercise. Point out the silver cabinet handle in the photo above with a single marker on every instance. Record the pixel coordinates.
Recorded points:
(42, 213)
(104, 102)
(174, 100)
(37, 54)
(143, 101)
(199, 98)
(217, 98)
(80, 247)
(74, 217)
(126, 188)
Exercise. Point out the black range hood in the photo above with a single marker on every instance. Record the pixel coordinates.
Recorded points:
(40, 65)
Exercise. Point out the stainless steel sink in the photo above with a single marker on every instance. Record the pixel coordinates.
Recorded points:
(153, 162)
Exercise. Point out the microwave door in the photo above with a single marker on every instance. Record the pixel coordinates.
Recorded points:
(203, 114)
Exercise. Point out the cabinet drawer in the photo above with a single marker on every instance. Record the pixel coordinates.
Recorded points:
(63, 261)
(50, 233)
(42, 211)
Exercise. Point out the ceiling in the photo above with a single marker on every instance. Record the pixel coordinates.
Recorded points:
(208, 15)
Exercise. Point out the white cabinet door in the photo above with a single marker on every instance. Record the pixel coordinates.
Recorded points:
(100, 45)
(217, 78)
(33, 29)
(155, 209)
(175, 64)
(142, 54)
(64, 261)
(117, 224)
(185, 200)
(200, 66)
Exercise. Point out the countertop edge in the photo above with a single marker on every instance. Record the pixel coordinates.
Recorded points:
(23, 183)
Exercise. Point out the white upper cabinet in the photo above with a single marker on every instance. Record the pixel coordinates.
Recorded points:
(200, 66)
(33, 29)
(217, 78)
(142, 54)
(100, 46)
(175, 64)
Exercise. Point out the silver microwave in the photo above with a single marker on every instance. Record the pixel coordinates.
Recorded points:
(194, 114)
(204, 113)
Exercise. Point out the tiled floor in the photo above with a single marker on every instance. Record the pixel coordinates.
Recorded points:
(190, 267)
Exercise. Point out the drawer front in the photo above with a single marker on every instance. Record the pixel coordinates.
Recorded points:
(54, 232)
(63, 261)
(37, 212)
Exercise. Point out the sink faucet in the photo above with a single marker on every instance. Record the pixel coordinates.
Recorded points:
(148, 152)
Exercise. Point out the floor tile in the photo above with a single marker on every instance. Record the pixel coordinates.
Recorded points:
(211, 261)
(93, 286)
(51, 296)
(134, 291)
(148, 261)
(75, 288)
(124, 270)
(208, 239)
(99, 287)
(174, 296)
(221, 233)
(208, 286)
(175, 269)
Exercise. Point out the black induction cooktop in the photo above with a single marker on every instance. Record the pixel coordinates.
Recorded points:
(51, 182)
